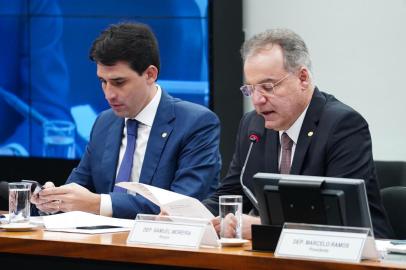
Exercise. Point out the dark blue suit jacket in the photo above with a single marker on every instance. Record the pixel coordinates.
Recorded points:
(340, 147)
(186, 161)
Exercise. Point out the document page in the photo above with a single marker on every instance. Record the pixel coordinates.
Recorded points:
(174, 204)
(82, 222)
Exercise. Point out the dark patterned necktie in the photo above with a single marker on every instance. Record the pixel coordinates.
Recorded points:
(124, 172)
(286, 153)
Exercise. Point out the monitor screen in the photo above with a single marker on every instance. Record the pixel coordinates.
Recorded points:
(49, 92)
(311, 199)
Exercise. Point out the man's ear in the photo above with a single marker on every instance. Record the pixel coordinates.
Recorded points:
(151, 74)
(304, 77)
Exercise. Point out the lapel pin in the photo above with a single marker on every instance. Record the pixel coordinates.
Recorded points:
(164, 134)
(310, 134)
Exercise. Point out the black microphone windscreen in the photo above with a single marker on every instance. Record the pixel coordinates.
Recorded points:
(256, 128)
(4, 190)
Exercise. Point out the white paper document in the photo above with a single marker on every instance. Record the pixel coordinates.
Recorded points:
(393, 246)
(397, 249)
(82, 222)
(174, 204)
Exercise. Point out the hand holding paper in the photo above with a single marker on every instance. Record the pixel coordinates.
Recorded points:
(174, 204)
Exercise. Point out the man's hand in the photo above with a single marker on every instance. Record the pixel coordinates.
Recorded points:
(230, 223)
(247, 221)
(163, 213)
(227, 227)
(216, 224)
(70, 197)
(43, 204)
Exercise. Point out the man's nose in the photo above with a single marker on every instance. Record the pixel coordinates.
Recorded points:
(109, 92)
(258, 98)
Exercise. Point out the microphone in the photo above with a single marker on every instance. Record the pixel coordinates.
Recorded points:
(4, 190)
(255, 132)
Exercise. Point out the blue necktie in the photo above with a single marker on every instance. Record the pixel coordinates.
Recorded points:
(124, 172)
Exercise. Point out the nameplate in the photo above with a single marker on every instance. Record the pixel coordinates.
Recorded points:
(321, 245)
(169, 234)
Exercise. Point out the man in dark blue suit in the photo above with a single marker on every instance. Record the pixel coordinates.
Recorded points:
(176, 142)
(325, 136)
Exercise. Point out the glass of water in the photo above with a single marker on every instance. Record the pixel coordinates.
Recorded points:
(59, 139)
(230, 213)
(19, 202)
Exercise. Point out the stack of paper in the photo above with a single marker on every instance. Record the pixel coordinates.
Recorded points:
(75, 221)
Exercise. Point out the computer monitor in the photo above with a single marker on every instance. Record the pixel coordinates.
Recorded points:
(311, 199)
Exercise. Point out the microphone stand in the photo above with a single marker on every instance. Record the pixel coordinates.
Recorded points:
(245, 189)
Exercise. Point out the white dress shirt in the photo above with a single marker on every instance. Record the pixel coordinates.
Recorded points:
(145, 120)
(293, 133)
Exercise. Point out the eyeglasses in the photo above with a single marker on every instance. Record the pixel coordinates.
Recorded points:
(267, 88)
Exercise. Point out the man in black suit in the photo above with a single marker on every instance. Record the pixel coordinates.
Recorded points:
(329, 138)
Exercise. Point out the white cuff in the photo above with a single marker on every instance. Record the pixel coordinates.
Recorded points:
(106, 206)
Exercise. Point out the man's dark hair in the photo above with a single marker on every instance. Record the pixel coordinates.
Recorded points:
(130, 42)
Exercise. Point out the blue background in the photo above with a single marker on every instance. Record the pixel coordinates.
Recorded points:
(44, 61)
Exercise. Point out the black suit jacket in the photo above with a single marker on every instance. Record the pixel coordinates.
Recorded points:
(339, 147)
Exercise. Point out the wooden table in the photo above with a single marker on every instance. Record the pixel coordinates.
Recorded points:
(54, 250)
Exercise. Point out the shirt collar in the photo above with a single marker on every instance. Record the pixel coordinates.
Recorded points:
(147, 115)
(294, 131)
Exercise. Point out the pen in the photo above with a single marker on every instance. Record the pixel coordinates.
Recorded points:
(398, 242)
(97, 227)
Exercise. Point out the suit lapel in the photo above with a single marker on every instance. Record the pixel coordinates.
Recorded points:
(111, 152)
(307, 131)
(160, 131)
(271, 151)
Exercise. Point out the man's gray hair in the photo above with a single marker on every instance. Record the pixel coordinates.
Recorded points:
(294, 49)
